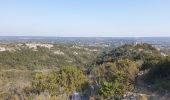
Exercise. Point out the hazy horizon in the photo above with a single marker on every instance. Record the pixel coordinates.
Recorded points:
(89, 36)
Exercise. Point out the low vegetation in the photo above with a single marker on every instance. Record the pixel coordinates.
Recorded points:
(111, 75)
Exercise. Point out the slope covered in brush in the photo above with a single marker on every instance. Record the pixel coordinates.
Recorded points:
(128, 51)
(117, 71)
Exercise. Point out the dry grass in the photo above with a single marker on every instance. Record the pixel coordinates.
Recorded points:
(11, 80)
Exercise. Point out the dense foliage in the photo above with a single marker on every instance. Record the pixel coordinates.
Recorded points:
(66, 80)
(117, 71)
(160, 74)
(116, 78)
(143, 52)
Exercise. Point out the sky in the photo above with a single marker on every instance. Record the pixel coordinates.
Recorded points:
(85, 18)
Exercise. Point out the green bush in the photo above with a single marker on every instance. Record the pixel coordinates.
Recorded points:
(116, 77)
(71, 79)
(45, 81)
(117, 87)
(66, 80)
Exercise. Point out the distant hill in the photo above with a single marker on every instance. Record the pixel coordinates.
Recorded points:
(45, 56)
(130, 51)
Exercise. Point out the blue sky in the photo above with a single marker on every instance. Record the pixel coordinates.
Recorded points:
(85, 18)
